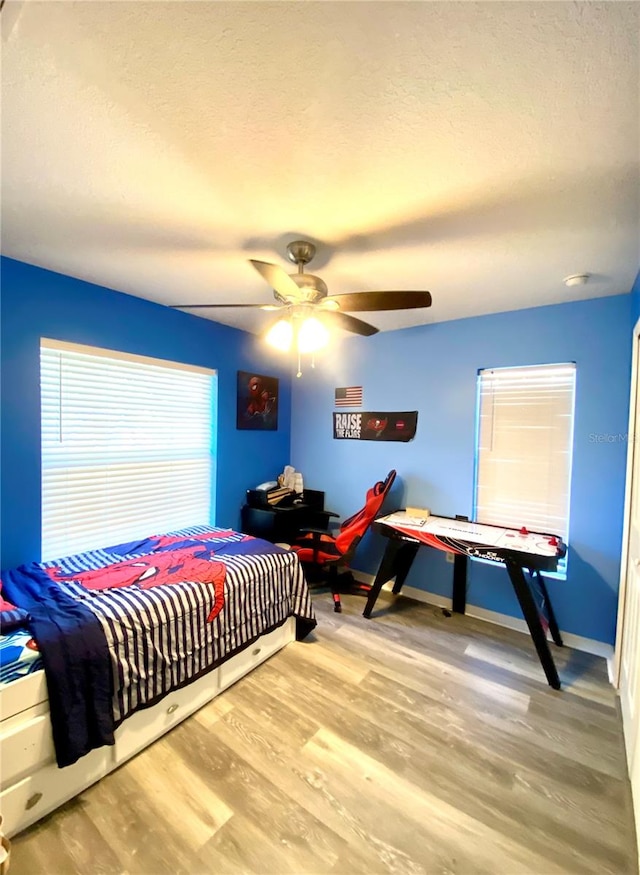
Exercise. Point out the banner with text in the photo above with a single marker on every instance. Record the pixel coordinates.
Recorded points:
(375, 426)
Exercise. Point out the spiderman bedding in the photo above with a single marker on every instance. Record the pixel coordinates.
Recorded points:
(121, 627)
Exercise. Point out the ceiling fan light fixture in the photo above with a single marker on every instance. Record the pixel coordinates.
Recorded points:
(312, 335)
(303, 294)
(280, 335)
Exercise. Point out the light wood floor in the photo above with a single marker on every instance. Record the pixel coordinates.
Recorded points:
(410, 743)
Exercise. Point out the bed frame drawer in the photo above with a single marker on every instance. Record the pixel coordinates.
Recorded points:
(145, 726)
(238, 666)
(25, 745)
(30, 799)
(21, 694)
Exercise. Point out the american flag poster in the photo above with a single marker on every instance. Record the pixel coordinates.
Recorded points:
(351, 396)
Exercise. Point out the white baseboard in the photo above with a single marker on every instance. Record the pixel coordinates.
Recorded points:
(577, 642)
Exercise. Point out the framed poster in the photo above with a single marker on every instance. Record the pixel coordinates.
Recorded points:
(257, 404)
(375, 426)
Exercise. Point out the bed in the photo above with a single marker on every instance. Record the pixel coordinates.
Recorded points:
(131, 639)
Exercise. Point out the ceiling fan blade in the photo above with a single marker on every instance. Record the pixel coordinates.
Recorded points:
(277, 278)
(361, 301)
(224, 306)
(348, 323)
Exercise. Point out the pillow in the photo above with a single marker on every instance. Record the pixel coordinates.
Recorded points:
(11, 617)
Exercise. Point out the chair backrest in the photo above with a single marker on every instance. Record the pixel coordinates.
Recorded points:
(355, 527)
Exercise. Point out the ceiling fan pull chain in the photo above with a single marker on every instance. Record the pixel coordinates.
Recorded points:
(299, 374)
(313, 359)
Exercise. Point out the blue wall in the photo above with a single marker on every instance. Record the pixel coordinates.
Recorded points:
(38, 303)
(433, 369)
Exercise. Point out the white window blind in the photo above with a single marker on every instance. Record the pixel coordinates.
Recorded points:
(524, 451)
(126, 447)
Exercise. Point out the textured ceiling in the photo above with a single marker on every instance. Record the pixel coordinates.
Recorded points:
(482, 151)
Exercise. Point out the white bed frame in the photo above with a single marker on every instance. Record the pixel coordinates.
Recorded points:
(31, 783)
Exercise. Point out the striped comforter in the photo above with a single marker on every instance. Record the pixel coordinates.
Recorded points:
(159, 638)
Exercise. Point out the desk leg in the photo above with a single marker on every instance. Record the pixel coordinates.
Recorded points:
(531, 615)
(396, 562)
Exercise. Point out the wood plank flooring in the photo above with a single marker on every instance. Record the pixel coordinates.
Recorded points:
(411, 743)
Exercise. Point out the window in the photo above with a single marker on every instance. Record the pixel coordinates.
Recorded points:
(126, 447)
(524, 447)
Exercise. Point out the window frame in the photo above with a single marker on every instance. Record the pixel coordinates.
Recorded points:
(162, 456)
(562, 569)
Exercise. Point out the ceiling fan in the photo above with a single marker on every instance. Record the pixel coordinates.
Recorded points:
(303, 295)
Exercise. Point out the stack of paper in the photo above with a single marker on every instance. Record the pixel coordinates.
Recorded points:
(275, 496)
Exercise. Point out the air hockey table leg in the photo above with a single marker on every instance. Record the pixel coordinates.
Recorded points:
(403, 563)
(532, 617)
(396, 562)
(553, 623)
(459, 592)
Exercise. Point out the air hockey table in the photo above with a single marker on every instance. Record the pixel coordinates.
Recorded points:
(525, 555)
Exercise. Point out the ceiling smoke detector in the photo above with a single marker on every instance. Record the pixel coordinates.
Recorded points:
(576, 279)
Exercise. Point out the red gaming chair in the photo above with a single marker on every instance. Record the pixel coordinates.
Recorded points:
(321, 552)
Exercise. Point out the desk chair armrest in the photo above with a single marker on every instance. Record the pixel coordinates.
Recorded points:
(314, 530)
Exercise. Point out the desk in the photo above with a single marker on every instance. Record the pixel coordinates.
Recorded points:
(516, 549)
(283, 524)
